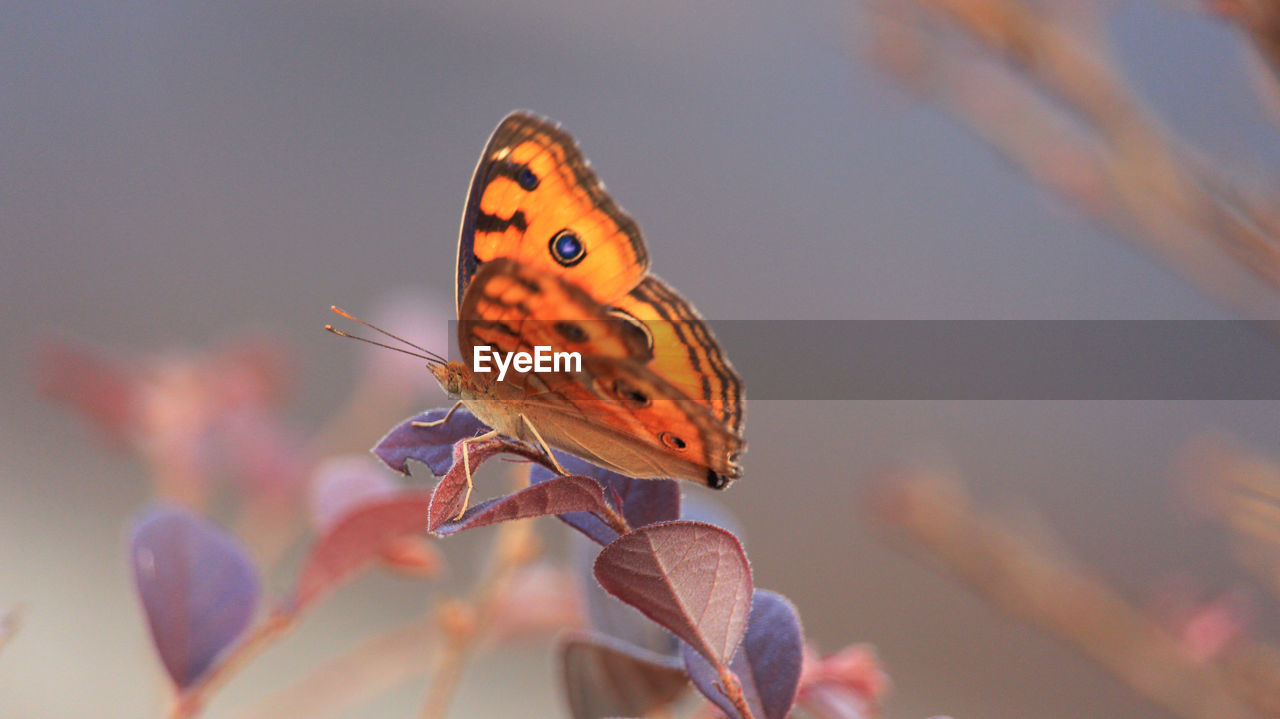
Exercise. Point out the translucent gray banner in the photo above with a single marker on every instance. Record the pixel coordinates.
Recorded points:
(999, 359)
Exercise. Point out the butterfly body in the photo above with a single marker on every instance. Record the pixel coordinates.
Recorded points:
(547, 259)
(564, 426)
(496, 404)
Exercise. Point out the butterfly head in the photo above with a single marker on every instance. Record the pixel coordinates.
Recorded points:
(452, 376)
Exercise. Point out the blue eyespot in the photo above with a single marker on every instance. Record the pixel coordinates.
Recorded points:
(567, 248)
(527, 179)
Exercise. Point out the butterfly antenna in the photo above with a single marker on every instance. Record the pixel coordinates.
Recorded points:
(423, 353)
(401, 350)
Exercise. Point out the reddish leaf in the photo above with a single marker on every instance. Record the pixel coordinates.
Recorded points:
(849, 684)
(828, 701)
(107, 393)
(198, 588)
(413, 555)
(344, 484)
(605, 677)
(451, 491)
(644, 501)
(433, 446)
(690, 577)
(357, 538)
(606, 615)
(767, 663)
(555, 496)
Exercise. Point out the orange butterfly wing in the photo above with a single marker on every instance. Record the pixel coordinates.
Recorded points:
(547, 258)
(616, 398)
(535, 199)
(515, 308)
(685, 352)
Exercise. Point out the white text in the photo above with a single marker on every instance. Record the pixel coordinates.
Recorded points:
(541, 360)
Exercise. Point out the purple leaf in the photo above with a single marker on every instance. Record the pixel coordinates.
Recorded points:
(554, 496)
(358, 537)
(767, 663)
(691, 578)
(644, 501)
(433, 446)
(198, 589)
(605, 677)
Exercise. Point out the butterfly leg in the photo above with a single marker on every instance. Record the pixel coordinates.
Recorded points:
(442, 420)
(542, 443)
(466, 467)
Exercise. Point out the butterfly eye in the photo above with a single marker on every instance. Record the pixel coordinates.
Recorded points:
(629, 395)
(571, 332)
(527, 178)
(672, 441)
(567, 248)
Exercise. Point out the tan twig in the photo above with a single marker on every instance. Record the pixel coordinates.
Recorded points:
(732, 689)
(367, 669)
(463, 621)
(1252, 671)
(1241, 489)
(1055, 595)
(191, 701)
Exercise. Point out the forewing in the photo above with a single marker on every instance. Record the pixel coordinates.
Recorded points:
(531, 188)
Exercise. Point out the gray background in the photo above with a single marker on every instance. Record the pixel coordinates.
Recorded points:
(177, 173)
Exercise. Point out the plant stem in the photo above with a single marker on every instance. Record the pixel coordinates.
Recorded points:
(191, 701)
(1025, 578)
(338, 685)
(462, 621)
(732, 689)
(615, 520)
(1108, 154)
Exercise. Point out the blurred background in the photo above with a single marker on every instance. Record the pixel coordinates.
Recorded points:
(181, 174)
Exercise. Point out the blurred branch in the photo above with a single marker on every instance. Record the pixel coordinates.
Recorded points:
(1252, 671)
(191, 701)
(1043, 90)
(368, 669)
(1018, 574)
(463, 622)
(1241, 489)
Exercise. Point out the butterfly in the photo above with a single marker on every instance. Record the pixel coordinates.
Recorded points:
(547, 258)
